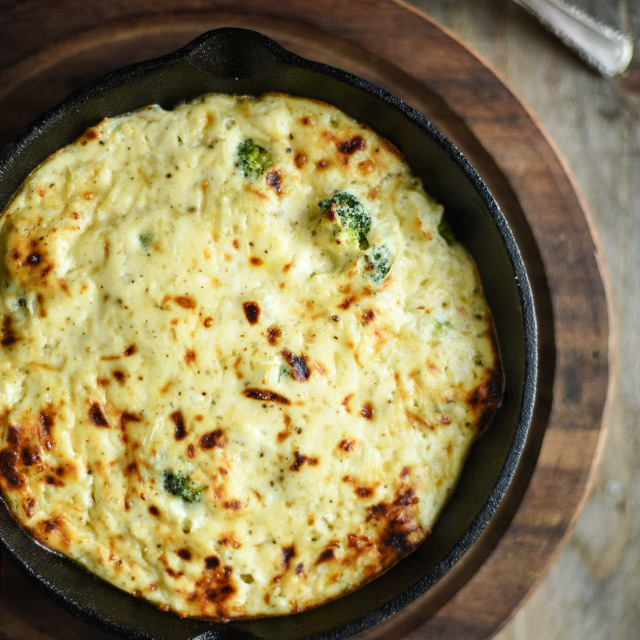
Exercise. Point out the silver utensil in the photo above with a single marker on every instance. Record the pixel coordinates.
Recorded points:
(603, 47)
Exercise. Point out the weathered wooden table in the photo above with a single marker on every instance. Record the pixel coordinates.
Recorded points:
(593, 588)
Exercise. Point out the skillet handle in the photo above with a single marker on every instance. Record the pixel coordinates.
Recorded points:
(234, 54)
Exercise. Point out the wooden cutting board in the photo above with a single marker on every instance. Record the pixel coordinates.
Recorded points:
(47, 50)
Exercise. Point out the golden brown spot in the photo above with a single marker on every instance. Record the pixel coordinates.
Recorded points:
(119, 376)
(184, 553)
(179, 430)
(287, 554)
(486, 398)
(207, 322)
(255, 261)
(366, 166)
(8, 335)
(103, 382)
(412, 417)
(30, 455)
(345, 402)
(397, 519)
(273, 333)
(322, 164)
(364, 492)
(443, 418)
(286, 432)
(251, 312)
(33, 259)
(274, 180)
(89, 195)
(373, 193)
(46, 422)
(300, 459)
(300, 160)
(189, 356)
(13, 479)
(91, 134)
(130, 350)
(185, 302)
(299, 369)
(213, 439)
(126, 417)
(368, 316)
(306, 121)
(234, 505)
(96, 416)
(351, 145)
(153, 510)
(326, 556)
(265, 395)
(191, 451)
(28, 506)
(346, 303)
(48, 525)
(347, 444)
(367, 411)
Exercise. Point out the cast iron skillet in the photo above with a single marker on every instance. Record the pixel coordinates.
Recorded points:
(240, 61)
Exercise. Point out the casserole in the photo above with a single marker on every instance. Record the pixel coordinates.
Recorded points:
(236, 61)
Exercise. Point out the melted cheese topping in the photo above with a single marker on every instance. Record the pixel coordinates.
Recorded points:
(167, 319)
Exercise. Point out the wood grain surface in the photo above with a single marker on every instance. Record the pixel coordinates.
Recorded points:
(593, 589)
(399, 48)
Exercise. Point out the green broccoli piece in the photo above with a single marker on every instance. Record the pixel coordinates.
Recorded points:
(145, 239)
(180, 485)
(253, 159)
(442, 327)
(378, 263)
(283, 372)
(351, 222)
(445, 231)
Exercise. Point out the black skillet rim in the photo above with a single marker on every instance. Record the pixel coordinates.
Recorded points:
(131, 73)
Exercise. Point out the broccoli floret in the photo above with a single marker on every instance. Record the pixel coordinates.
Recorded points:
(145, 239)
(180, 485)
(378, 263)
(442, 327)
(445, 231)
(253, 159)
(351, 222)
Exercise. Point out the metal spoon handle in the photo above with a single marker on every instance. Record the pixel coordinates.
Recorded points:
(608, 50)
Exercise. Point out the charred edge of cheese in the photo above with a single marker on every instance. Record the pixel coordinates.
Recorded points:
(222, 389)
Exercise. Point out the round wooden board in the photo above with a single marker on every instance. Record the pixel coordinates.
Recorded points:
(47, 51)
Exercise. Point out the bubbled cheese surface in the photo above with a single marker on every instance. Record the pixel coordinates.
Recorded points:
(161, 312)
